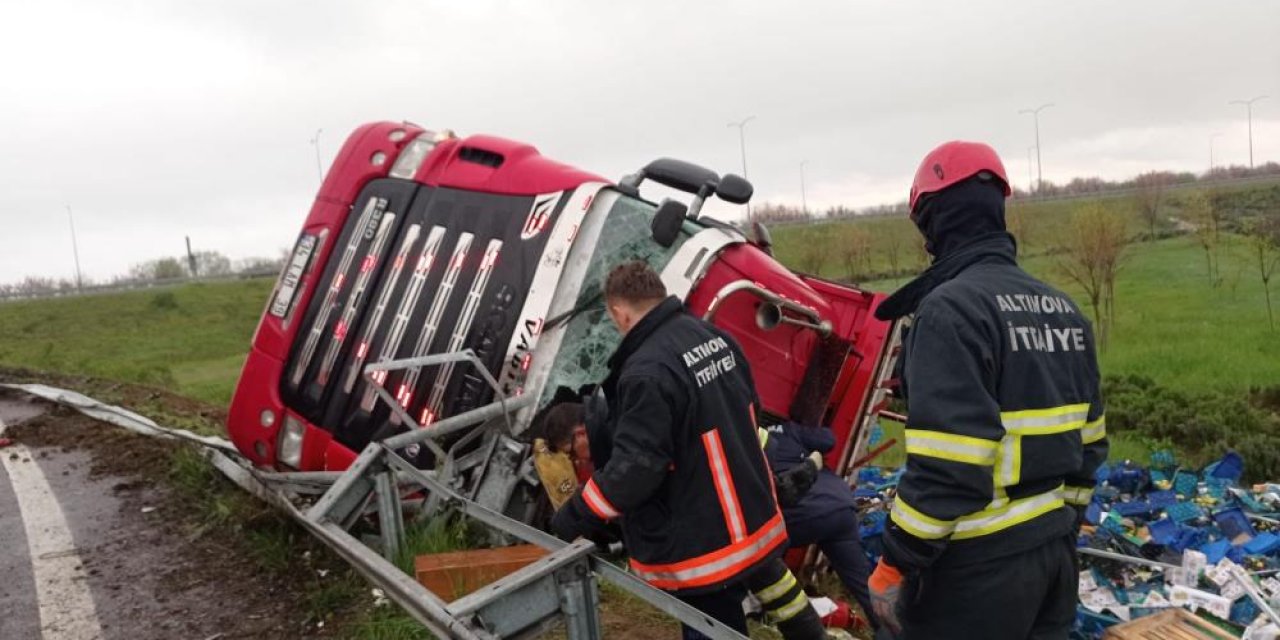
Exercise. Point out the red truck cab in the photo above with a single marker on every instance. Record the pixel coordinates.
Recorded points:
(422, 242)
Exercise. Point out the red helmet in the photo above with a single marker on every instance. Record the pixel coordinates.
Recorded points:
(954, 162)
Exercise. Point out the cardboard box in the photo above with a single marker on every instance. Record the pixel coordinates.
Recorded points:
(456, 573)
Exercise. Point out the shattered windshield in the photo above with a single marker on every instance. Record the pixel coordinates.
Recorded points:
(590, 337)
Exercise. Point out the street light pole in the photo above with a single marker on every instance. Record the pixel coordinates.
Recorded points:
(804, 202)
(1035, 116)
(742, 143)
(1031, 181)
(75, 249)
(1248, 108)
(315, 142)
(1212, 137)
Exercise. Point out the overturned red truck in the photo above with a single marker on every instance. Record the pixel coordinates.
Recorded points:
(422, 243)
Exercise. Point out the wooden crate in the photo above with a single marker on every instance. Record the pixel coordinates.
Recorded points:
(1174, 624)
(456, 573)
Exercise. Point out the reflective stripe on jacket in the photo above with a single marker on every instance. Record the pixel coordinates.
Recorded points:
(685, 475)
(1005, 421)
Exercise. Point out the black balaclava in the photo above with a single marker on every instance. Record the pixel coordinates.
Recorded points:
(960, 224)
(960, 214)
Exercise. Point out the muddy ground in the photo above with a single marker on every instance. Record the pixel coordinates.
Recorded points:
(158, 564)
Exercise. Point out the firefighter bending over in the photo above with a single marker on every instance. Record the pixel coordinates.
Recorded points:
(1004, 424)
(684, 470)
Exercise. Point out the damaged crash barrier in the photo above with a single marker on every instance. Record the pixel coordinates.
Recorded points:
(1163, 536)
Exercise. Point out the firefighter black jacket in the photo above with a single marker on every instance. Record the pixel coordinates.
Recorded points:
(685, 474)
(1005, 424)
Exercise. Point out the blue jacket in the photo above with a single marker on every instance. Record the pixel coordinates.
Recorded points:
(787, 447)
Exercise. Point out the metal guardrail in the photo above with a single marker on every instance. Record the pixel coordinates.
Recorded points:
(562, 586)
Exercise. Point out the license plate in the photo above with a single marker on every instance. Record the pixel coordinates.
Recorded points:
(289, 285)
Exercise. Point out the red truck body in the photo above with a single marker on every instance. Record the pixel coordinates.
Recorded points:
(422, 243)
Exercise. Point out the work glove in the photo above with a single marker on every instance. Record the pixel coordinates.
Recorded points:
(795, 482)
(568, 524)
(885, 586)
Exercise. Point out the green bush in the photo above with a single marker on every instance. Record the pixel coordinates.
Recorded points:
(1201, 425)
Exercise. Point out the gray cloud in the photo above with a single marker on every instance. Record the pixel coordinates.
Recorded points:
(157, 120)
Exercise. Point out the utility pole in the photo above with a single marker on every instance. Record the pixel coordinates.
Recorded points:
(315, 142)
(742, 143)
(1031, 181)
(75, 249)
(1035, 116)
(191, 259)
(804, 202)
(1248, 109)
(1211, 139)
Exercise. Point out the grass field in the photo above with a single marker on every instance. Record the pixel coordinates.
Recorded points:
(1172, 325)
(191, 338)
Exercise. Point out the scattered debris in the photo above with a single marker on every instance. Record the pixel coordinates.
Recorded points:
(1155, 538)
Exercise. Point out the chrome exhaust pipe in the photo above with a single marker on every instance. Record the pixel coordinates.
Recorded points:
(773, 312)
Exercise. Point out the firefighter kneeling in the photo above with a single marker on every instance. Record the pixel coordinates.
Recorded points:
(678, 461)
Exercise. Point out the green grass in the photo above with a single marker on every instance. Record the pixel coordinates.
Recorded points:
(190, 338)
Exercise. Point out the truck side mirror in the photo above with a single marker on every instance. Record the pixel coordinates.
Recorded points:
(667, 221)
(761, 237)
(734, 189)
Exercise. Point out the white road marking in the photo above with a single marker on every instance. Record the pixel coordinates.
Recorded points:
(66, 605)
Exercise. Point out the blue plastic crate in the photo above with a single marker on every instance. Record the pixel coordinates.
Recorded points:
(1234, 523)
(1230, 467)
(1243, 611)
(1185, 483)
(1162, 499)
(1216, 550)
(876, 435)
(1092, 625)
(872, 525)
(1093, 513)
(1164, 531)
(1132, 508)
(1163, 459)
(1183, 511)
(1113, 522)
(1262, 544)
(1189, 538)
(1217, 487)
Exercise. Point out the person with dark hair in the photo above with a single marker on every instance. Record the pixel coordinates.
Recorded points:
(565, 430)
(1004, 430)
(682, 469)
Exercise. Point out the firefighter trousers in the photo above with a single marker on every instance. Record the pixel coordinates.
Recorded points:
(780, 594)
(837, 536)
(1023, 596)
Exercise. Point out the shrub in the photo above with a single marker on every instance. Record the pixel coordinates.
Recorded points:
(1202, 425)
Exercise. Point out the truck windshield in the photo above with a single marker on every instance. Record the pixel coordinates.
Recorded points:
(590, 337)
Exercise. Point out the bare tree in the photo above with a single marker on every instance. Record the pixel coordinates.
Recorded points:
(891, 241)
(158, 269)
(853, 247)
(1092, 253)
(1018, 222)
(1205, 221)
(1264, 243)
(814, 250)
(212, 264)
(1149, 196)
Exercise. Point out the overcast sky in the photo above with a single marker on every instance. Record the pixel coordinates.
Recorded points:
(160, 119)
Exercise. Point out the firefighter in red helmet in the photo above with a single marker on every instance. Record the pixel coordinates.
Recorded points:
(1004, 429)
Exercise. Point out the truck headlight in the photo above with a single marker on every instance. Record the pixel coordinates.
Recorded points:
(289, 446)
(407, 164)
